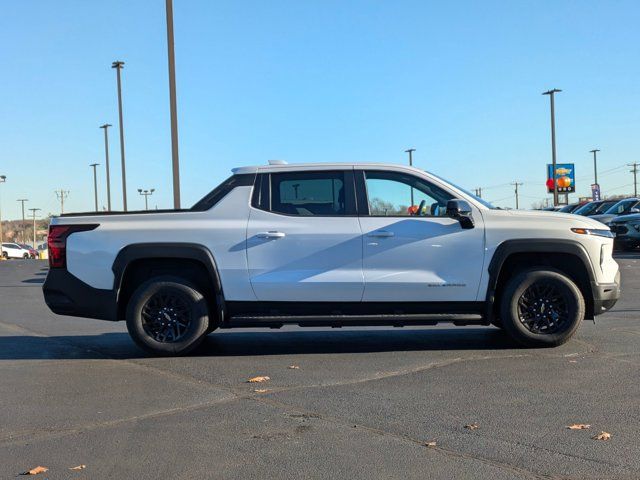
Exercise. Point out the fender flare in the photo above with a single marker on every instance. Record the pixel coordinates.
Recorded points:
(532, 245)
(169, 251)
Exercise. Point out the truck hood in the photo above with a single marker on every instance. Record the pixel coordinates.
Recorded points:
(551, 217)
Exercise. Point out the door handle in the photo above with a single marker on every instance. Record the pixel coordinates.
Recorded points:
(271, 234)
(381, 234)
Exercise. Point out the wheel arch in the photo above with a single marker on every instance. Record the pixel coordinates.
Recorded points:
(567, 256)
(192, 261)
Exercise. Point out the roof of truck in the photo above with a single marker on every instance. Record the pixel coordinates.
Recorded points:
(284, 167)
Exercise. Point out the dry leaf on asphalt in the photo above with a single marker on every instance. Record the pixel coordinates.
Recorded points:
(579, 426)
(35, 471)
(472, 426)
(261, 390)
(294, 367)
(602, 436)
(79, 467)
(258, 379)
(430, 444)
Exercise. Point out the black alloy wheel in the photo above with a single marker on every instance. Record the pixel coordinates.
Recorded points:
(543, 308)
(166, 316)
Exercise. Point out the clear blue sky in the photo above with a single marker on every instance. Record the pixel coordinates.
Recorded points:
(315, 81)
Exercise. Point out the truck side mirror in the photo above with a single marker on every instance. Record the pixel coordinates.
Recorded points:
(460, 210)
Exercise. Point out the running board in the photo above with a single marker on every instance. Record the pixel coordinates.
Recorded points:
(338, 321)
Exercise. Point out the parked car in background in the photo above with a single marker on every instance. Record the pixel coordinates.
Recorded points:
(623, 207)
(33, 253)
(595, 208)
(627, 230)
(572, 207)
(14, 250)
(551, 209)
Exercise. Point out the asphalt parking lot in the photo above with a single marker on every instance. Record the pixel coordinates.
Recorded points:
(362, 404)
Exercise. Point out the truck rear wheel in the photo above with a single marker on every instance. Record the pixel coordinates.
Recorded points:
(541, 307)
(167, 316)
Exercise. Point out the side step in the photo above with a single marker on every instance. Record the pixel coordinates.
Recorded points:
(338, 321)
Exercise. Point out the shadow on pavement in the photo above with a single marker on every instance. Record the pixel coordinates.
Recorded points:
(119, 345)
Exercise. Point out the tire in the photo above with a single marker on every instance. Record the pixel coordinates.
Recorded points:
(25, 256)
(154, 324)
(5, 255)
(541, 307)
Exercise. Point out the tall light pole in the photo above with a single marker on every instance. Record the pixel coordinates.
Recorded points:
(105, 127)
(95, 183)
(62, 196)
(118, 66)
(3, 179)
(410, 152)
(33, 211)
(173, 106)
(595, 165)
(551, 94)
(24, 227)
(146, 194)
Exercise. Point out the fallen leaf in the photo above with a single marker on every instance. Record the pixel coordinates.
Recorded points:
(578, 426)
(35, 471)
(294, 367)
(430, 444)
(602, 436)
(79, 467)
(261, 390)
(573, 361)
(472, 426)
(258, 379)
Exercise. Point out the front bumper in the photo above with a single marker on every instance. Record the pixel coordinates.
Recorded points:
(605, 295)
(66, 294)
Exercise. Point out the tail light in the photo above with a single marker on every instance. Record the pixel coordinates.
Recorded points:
(57, 242)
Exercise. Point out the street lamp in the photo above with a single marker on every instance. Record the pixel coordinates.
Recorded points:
(146, 194)
(595, 165)
(3, 179)
(118, 66)
(95, 183)
(105, 127)
(33, 211)
(551, 94)
(173, 106)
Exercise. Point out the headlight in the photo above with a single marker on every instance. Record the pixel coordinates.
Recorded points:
(598, 232)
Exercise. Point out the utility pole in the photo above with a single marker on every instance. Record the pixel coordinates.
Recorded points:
(3, 179)
(62, 195)
(551, 94)
(595, 165)
(34, 210)
(146, 194)
(105, 127)
(118, 66)
(410, 152)
(479, 192)
(95, 183)
(635, 177)
(23, 225)
(516, 184)
(175, 161)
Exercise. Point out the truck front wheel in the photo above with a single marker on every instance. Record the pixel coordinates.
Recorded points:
(541, 307)
(167, 316)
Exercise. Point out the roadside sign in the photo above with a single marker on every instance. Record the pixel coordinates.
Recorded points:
(565, 178)
(595, 191)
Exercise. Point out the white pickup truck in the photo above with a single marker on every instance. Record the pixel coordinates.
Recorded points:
(331, 245)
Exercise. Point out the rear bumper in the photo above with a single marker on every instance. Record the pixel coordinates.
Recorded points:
(605, 295)
(65, 294)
